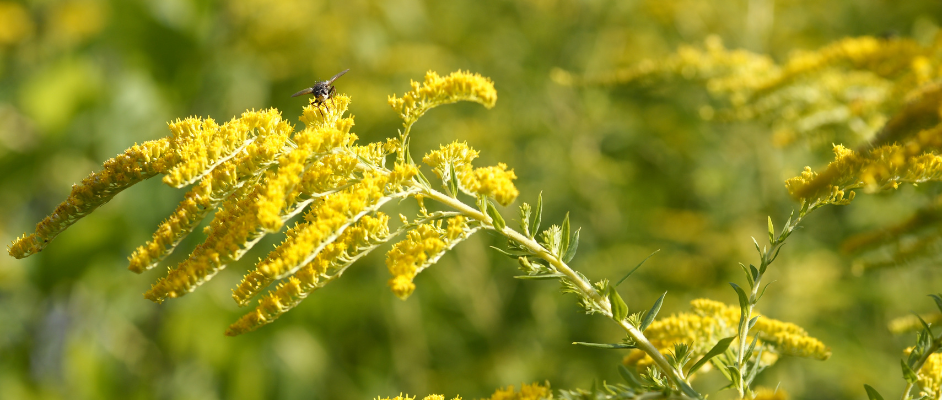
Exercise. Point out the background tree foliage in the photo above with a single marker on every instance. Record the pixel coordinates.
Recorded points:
(637, 168)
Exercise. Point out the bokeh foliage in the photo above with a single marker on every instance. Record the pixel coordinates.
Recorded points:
(637, 168)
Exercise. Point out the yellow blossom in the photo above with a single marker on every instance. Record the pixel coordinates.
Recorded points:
(437, 90)
(494, 182)
(533, 391)
(422, 247)
(768, 394)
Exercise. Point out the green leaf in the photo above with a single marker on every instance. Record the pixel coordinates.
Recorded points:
(619, 308)
(872, 393)
(755, 274)
(540, 277)
(755, 339)
(574, 245)
(743, 299)
(757, 246)
(537, 215)
(771, 232)
(496, 219)
(511, 253)
(748, 274)
(924, 324)
(636, 268)
(452, 180)
(423, 179)
(564, 244)
(752, 322)
(908, 373)
(649, 317)
(717, 349)
(763, 290)
(735, 374)
(629, 377)
(612, 346)
(938, 301)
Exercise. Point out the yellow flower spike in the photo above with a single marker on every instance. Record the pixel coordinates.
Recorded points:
(437, 90)
(533, 391)
(801, 346)
(220, 183)
(422, 248)
(930, 375)
(368, 233)
(880, 168)
(135, 165)
(324, 223)
(494, 182)
(327, 113)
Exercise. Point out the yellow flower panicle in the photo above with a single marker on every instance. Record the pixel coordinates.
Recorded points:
(327, 113)
(429, 397)
(243, 221)
(458, 154)
(219, 184)
(356, 241)
(135, 165)
(910, 323)
(437, 90)
(881, 168)
(711, 321)
(324, 223)
(423, 247)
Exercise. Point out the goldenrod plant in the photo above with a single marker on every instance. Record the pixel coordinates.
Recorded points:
(882, 92)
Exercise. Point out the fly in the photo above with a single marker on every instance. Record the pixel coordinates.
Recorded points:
(322, 90)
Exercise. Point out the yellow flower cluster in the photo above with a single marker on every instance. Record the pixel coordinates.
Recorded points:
(930, 376)
(422, 247)
(324, 223)
(495, 182)
(880, 168)
(711, 321)
(135, 165)
(224, 179)
(909, 323)
(356, 241)
(437, 90)
(248, 215)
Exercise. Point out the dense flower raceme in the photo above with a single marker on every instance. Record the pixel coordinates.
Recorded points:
(709, 321)
(532, 391)
(257, 171)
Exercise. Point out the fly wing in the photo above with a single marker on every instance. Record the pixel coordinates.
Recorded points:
(305, 91)
(331, 80)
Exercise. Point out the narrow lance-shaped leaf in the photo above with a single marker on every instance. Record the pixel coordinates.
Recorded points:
(872, 393)
(649, 317)
(537, 215)
(771, 232)
(619, 308)
(611, 346)
(496, 219)
(540, 277)
(452, 180)
(564, 244)
(573, 246)
(938, 301)
(743, 298)
(717, 349)
(749, 274)
(629, 377)
(636, 267)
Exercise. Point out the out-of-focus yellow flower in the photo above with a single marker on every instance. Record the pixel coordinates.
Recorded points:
(437, 90)
(429, 397)
(769, 394)
(711, 321)
(75, 21)
(533, 391)
(16, 24)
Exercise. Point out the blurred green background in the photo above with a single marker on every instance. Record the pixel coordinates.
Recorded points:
(80, 81)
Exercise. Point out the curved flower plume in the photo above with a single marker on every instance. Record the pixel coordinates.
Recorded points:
(424, 246)
(437, 90)
(494, 182)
